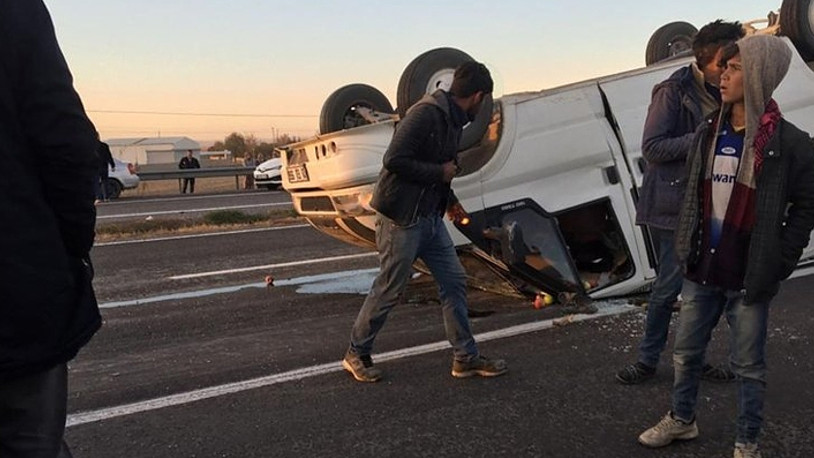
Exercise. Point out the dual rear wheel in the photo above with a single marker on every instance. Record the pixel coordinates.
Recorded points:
(426, 73)
(796, 22)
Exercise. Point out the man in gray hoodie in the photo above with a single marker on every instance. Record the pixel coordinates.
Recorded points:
(746, 217)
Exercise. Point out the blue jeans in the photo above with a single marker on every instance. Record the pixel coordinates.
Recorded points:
(662, 297)
(399, 247)
(703, 306)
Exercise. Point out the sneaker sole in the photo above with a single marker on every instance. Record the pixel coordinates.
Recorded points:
(684, 437)
(348, 368)
(474, 372)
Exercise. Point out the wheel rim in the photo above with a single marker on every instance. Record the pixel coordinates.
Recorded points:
(680, 45)
(112, 189)
(353, 119)
(442, 79)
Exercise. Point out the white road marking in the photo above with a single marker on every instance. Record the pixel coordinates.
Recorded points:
(192, 210)
(81, 418)
(136, 200)
(231, 289)
(802, 272)
(195, 236)
(272, 266)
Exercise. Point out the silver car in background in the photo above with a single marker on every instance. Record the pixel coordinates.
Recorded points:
(122, 177)
(268, 175)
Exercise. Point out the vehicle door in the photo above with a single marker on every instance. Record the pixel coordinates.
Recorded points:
(556, 178)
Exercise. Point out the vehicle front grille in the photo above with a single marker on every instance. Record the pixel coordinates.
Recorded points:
(316, 204)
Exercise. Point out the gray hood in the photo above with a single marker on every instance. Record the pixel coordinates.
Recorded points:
(437, 98)
(765, 61)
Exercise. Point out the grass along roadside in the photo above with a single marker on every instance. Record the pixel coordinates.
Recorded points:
(216, 221)
(206, 185)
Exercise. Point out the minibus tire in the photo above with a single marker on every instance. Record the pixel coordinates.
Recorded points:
(338, 109)
(668, 40)
(797, 23)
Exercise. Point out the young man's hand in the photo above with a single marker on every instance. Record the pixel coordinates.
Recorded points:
(457, 214)
(450, 170)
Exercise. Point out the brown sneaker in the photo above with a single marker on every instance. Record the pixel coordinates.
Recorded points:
(361, 367)
(750, 450)
(480, 365)
(667, 430)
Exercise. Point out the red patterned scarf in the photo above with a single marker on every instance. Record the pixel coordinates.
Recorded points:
(768, 124)
(726, 268)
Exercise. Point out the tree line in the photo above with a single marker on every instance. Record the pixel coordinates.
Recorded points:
(240, 145)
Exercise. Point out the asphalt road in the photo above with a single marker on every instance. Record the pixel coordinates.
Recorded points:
(175, 206)
(253, 371)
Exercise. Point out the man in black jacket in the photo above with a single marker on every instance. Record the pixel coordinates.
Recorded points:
(189, 162)
(47, 307)
(411, 196)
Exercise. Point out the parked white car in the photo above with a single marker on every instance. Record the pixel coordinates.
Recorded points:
(120, 178)
(268, 175)
(550, 178)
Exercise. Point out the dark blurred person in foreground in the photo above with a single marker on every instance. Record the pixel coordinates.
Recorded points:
(47, 307)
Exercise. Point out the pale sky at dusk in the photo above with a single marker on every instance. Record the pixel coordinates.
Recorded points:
(283, 58)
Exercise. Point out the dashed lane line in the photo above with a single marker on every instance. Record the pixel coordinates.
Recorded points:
(192, 210)
(81, 418)
(272, 266)
(186, 198)
(196, 236)
(232, 289)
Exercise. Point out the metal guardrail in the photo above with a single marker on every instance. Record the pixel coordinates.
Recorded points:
(213, 172)
(196, 173)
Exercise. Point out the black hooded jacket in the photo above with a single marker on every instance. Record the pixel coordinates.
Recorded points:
(426, 138)
(784, 186)
(48, 165)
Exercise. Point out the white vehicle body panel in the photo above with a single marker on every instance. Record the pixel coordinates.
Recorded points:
(562, 148)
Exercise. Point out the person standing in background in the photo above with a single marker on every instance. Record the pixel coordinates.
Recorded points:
(248, 161)
(189, 162)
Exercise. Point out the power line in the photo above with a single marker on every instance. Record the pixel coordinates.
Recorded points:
(223, 115)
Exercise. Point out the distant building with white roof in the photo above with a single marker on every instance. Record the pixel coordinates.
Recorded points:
(153, 151)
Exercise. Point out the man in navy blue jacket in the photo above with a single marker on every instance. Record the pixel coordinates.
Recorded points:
(49, 164)
(678, 106)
